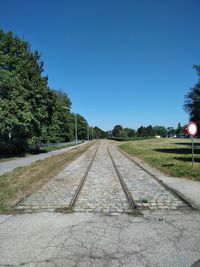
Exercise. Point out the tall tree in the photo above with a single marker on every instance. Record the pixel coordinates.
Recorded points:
(179, 130)
(141, 131)
(160, 130)
(62, 126)
(82, 127)
(192, 100)
(99, 133)
(129, 132)
(26, 102)
(117, 131)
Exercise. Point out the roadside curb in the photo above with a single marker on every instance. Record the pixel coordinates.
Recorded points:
(157, 175)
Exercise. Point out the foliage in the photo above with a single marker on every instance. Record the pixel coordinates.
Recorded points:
(146, 131)
(62, 126)
(26, 102)
(129, 132)
(99, 133)
(192, 100)
(29, 110)
(82, 127)
(117, 131)
(120, 133)
(160, 130)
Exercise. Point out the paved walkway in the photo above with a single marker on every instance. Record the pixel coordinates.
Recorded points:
(10, 165)
(187, 188)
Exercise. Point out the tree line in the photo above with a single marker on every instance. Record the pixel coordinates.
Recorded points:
(192, 101)
(149, 131)
(191, 106)
(31, 111)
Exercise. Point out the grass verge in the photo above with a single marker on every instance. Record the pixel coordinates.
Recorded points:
(15, 186)
(171, 156)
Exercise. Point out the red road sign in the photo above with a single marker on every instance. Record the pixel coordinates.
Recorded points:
(192, 128)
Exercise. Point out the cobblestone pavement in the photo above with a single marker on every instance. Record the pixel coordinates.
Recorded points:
(58, 192)
(146, 192)
(102, 191)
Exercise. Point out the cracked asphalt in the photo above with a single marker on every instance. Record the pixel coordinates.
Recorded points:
(158, 238)
(100, 232)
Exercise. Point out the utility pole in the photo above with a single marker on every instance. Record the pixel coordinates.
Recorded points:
(76, 135)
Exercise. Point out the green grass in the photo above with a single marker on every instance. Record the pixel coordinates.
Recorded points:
(171, 156)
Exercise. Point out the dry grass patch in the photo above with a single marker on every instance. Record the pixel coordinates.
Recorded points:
(15, 186)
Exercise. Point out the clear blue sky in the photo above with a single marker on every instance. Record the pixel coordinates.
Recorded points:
(121, 62)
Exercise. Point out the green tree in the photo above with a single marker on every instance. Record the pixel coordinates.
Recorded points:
(99, 133)
(179, 130)
(82, 127)
(149, 132)
(129, 132)
(192, 100)
(26, 102)
(171, 132)
(62, 126)
(160, 130)
(141, 131)
(117, 131)
(146, 131)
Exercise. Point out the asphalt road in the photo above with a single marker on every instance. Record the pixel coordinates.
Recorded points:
(159, 238)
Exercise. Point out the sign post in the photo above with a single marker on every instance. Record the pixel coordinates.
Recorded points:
(192, 131)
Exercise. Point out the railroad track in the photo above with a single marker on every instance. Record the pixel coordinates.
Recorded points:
(126, 191)
(136, 199)
(166, 187)
(124, 187)
(83, 180)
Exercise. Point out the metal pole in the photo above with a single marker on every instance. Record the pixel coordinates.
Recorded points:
(76, 129)
(192, 151)
(92, 133)
(9, 136)
(87, 133)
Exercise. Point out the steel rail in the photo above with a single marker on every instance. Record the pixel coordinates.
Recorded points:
(72, 202)
(126, 191)
(166, 187)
